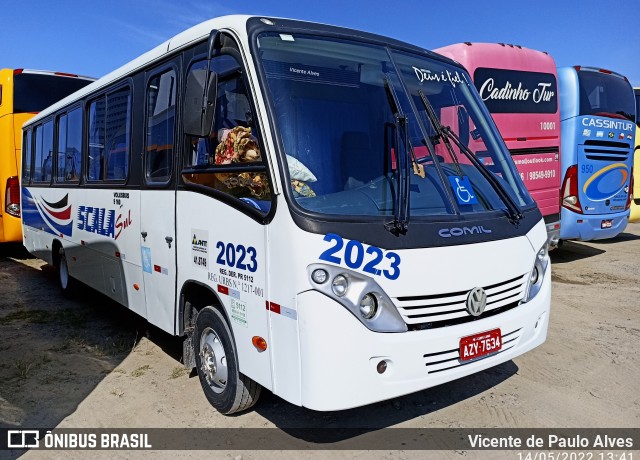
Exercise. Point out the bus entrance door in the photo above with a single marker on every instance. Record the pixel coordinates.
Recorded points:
(158, 248)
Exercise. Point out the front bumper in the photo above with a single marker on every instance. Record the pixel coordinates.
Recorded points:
(339, 355)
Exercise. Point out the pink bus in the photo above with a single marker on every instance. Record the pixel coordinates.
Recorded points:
(519, 87)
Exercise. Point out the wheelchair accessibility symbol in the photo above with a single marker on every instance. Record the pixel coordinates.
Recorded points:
(463, 190)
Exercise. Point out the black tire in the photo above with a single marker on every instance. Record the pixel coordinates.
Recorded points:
(66, 283)
(224, 386)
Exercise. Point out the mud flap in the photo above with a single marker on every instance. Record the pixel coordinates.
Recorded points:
(188, 355)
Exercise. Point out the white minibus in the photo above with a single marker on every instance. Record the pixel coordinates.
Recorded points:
(326, 213)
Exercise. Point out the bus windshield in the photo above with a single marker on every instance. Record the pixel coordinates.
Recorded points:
(354, 124)
(33, 92)
(605, 95)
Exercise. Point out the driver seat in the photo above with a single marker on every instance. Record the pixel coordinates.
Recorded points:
(357, 165)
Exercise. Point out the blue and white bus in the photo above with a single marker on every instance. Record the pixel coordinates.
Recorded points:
(303, 204)
(597, 115)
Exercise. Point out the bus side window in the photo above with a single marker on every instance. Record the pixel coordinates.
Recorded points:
(26, 157)
(73, 155)
(234, 141)
(118, 122)
(96, 139)
(69, 155)
(161, 111)
(109, 137)
(61, 128)
(44, 153)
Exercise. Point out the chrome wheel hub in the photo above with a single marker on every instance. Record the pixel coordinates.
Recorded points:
(213, 360)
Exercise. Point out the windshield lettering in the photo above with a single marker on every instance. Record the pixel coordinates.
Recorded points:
(443, 77)
(310, 73)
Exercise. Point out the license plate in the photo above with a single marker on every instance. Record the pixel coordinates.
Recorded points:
(608, 223)
(475, 346)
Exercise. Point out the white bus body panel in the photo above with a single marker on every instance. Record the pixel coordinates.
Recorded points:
(210, 232)
(333, 356)
(103, 246)
(339, 369)
(157, 232)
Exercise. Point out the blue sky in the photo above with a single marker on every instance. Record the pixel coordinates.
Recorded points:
(92, 38)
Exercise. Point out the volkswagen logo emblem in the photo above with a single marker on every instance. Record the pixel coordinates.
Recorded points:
(476, 301)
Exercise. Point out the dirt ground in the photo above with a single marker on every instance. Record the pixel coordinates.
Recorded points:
(87, 362)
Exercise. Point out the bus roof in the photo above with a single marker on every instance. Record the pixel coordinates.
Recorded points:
(235, 23)
(498, 56)
(582, 68)
(46, 72)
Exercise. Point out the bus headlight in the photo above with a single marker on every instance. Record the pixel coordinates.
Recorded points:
(340, 285)
(359, 294)
(319, 276)
(538, 271)
(535, 275)
(368, 306)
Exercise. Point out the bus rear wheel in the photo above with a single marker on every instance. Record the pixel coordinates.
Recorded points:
(65, 281)
(224, 386)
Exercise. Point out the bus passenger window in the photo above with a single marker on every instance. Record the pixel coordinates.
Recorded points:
(117, 135)
(62, 147)
(44, 151)
(96, 139)
(109, 128)
(26, 157)
(73, 154)
(234, 141)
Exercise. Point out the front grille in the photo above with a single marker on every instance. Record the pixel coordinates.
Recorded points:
(450, 359)
(432, 311)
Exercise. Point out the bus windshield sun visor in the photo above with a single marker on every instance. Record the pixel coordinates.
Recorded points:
(446, 134)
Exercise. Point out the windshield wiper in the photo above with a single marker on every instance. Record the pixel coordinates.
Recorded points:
(400, 222)
(446, 134)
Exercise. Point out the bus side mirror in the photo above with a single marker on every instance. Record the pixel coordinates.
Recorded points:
(199, 104)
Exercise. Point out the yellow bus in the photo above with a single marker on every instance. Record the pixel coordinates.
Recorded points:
(635, 202)
(23, 93)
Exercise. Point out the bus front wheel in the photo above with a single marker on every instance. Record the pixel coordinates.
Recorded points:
(216, 360)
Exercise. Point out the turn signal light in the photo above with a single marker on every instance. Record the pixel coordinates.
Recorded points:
(259, 343)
